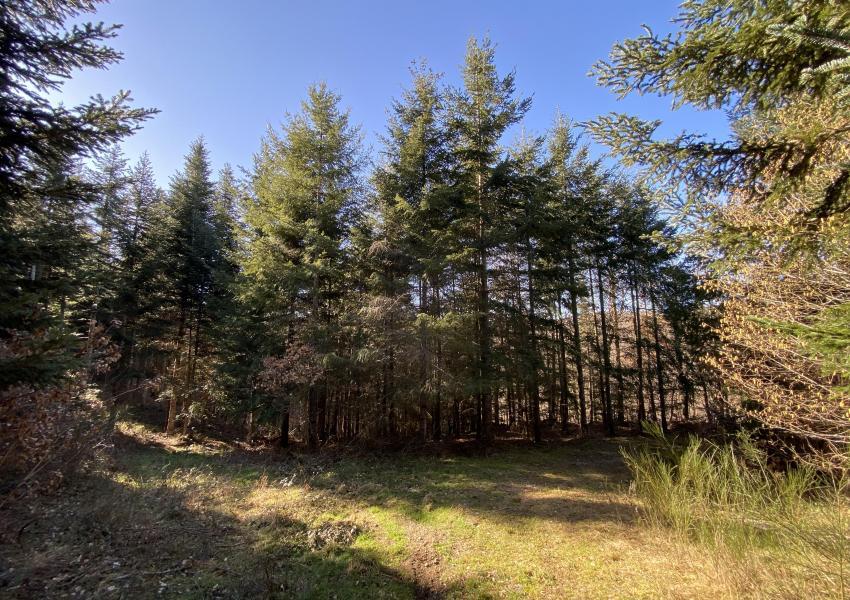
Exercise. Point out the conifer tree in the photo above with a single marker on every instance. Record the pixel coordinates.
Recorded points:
(774, 194)
(47, 344)
(527, 216)
(39, 141)
(133, 277)
(187, 258)
(574, 179)
(767, 60)
(416, 208)
(306, 198)
(480, 114)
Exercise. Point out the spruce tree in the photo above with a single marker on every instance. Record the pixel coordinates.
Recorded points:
(525, 215)
(757, 61)
(415, 208)
(481, 112)
(574, 179)
(306, 198)
(187, 256)
(39, 142)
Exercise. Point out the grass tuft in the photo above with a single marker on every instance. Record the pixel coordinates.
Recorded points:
(775, 533)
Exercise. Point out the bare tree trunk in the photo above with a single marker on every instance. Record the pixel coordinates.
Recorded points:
(172, 401)
(600, 384)
(562, 370)
(312, 417)
(659, 368)
(436, 418)
(534, 387)
(423, 367)
(485, 407)
(607, 415)
(684, 381)
(639, 355)
(577, 356)
(618, 371)
(249, 427)
(284, 426)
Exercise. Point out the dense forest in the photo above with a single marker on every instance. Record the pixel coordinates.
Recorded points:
(448, 287)
(467, 280)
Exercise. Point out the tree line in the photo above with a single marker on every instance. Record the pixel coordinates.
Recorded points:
(450, 286)
(456, 287)
(471, 279)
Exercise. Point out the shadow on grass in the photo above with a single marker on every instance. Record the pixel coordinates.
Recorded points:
(108, 539)
(141, 529)
(566, 483)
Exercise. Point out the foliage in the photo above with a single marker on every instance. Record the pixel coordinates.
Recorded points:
(765, 212)
(49, 337)
(749, 58)
(462, 285)
(784, 327)
(49, 430)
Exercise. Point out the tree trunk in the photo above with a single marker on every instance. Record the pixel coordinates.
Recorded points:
(284, 426)
(600, 372)
(436, 418)
(485, 417)
(562, 372)
(618, 370)
(639, 355)
(534, 387)
(659, 368)
(249, 427)
(607, 415)
(312, 417)
(582, 403)
(423, 366)
(684, 381)
(172, 401)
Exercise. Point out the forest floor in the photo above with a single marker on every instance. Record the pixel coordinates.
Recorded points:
(158, 518)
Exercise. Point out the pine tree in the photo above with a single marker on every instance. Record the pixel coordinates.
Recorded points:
(480, 114)
(39, 142)
(306, 191)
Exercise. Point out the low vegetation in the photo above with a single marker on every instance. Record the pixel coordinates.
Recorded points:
(155, 517)
(775, 533)
(158, 518)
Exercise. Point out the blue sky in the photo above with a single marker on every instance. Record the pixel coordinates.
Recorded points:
(227, 69)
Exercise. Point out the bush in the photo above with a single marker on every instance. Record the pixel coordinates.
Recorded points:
(46, 431)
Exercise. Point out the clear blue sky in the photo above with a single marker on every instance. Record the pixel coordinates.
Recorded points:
(227, 69)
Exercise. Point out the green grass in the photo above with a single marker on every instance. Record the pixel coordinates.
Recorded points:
(159, 519)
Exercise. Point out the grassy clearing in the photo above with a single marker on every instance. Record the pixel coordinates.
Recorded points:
(209, 521)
